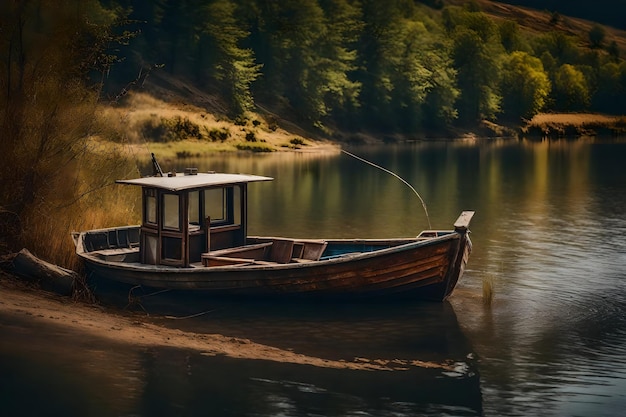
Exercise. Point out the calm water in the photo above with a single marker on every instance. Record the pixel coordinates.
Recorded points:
(549, 239)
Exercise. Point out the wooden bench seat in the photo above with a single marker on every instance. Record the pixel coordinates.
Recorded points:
(277, 250)
(118, 254)
(309, 250)
(258, 250)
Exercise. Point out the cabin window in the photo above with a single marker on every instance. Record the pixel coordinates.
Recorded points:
(171, 210)
(194, 207)
(215, 204)
(150, 215)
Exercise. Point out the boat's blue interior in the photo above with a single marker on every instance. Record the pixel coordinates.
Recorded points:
(339, 249)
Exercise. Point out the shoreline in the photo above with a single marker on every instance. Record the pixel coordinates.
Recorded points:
(148, 122)
(573, 125)
(34, 308)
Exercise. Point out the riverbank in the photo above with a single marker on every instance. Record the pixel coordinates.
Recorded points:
(572, 125)
(174, 120)
(32, 309)
(175, 127)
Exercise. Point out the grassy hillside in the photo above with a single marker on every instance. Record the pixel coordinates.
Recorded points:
(536, 17)
(606, 12)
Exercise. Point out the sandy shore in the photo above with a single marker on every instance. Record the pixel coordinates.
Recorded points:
(39, 308)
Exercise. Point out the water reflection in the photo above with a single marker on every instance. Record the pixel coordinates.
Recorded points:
(434, 370)
(550, 232)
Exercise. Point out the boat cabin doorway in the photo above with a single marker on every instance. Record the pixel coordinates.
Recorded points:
(179, 226)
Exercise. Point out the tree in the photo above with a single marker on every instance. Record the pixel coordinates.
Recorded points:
(177, 35)
(343, 20)
(440, 105)
(525, 86)
(475, 53)
(48, 101)
(613, 50)
(229, 63)
(379, 57)
(597, 35)
(307, 54)
(405, 68)
(424, 85)
(611, 91)
(561, 47)
(570, 89)
(510, 36)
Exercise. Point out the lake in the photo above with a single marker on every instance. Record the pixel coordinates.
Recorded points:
(549, 240)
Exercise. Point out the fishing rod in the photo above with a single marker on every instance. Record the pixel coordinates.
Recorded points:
(398, 177)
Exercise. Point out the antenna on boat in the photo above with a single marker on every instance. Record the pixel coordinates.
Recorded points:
(156, 168)
(398, 177)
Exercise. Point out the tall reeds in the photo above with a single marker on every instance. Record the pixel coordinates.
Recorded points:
(51, 179)
(94, 201)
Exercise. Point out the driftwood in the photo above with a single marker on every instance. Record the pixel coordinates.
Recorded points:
(49, 276)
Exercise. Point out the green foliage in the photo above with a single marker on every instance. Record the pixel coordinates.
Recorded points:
(613, 51)
(570, 90)
(47, 106)
(229, 63)
(510, 36)
(597, 33)
(525, 86)
(559, 45)
(311, 54)
(405, 70)
(390, 66)
(475, 53)
(611, 88)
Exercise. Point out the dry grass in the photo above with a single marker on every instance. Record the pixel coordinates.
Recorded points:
(144, 120)
(556, 125)
(47, 225)
(575, 119)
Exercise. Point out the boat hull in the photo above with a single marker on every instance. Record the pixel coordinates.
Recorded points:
(427, 269)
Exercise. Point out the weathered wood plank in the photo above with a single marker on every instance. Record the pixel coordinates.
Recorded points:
(462, 223)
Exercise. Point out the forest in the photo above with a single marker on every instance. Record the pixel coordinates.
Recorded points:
(400, 66)
(397, 66)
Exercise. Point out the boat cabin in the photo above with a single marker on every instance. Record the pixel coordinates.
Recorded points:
(188, 214)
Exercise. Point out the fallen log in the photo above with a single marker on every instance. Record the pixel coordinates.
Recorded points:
(49, 276)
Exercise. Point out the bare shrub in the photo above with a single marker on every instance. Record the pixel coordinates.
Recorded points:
(218, 134)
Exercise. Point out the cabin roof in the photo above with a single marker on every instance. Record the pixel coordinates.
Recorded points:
(200, 180)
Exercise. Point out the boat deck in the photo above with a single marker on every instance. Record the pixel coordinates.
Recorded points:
(265, 251)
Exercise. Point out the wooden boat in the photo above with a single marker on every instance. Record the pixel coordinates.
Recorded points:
(194, 237)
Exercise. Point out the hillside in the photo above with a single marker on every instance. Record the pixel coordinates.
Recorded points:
(538, 20)
(276, 129)
(606, 12)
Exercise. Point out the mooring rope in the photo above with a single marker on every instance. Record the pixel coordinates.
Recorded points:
(395, 175)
